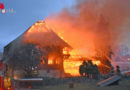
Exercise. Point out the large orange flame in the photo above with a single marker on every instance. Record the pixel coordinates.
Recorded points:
(91, 27)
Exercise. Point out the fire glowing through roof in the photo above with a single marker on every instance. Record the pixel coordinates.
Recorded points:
(41, 34)
(39, 26)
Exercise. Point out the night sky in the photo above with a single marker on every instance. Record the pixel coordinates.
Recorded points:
(26, 13)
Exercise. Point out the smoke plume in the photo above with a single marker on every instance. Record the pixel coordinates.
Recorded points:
(93, 24)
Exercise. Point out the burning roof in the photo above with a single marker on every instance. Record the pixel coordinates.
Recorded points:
(38, 34)
(41, 34)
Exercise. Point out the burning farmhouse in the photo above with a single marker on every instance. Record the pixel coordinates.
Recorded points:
(28, 52)
(41, 52)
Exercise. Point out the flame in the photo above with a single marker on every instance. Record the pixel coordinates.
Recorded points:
(65, 51)
(35, 31)
(97, 62)
(50, 61)
(72, 66)
(40, 26)
(90, 27)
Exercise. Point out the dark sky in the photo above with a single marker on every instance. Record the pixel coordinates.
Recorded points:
(26, 12)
